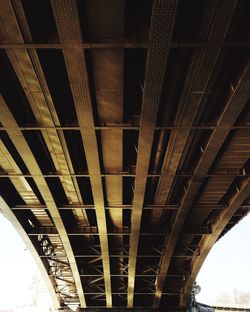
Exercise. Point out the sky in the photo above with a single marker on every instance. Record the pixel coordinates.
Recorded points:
(225, 274)
(20, 280)
(224, 277)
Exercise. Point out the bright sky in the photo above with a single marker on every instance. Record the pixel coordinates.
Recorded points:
(224, 276)
(20, 279)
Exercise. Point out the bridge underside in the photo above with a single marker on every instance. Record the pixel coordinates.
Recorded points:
(124, 141)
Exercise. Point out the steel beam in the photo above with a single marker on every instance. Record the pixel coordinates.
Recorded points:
(232, 110)
(68, 25)
(16, 136)
(161, 29)
(108, 74)
(188, 105)
(125, 45)
(124, 207)
(21, 185)
(29, 72)
(117, 126)
(88, 230)
(190, 100)
(56, 175)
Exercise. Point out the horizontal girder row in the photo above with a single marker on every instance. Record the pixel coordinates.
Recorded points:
(116, 256)
(137, 275)
(118, 126)
(125, 45)
(229, 173)
(164, 207)
(88, 230)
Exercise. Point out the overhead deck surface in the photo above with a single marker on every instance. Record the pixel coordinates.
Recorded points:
(124, 141)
